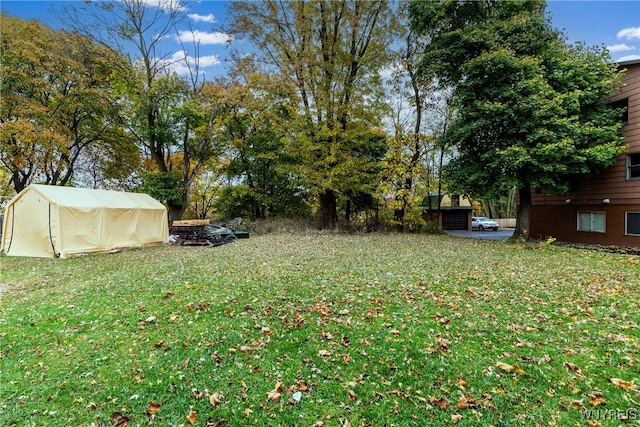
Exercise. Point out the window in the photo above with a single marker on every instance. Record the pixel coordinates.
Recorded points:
(633, 223)
(591, 221)
(623, 105)
(633, 166)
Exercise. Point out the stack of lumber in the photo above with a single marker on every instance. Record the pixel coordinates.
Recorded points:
(198, 233)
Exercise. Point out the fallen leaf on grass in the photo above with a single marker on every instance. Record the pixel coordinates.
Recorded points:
(504, 366)
(153, 408)
(572, 367)
(351, 395)
(274, 394)
(192, 417)
(442, 344)
(627, 385)
(441, 402)
(508, 368)
(577, 404)
(215, 398)
(118, 420)
(456, 418)
(596, 399)
(463, 403)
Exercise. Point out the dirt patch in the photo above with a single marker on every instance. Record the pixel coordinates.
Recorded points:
(627, 250)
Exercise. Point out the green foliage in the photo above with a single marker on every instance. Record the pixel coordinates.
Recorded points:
(166, 187)
(327, 55)
(56, 108)
(531, 109)
(253, 123)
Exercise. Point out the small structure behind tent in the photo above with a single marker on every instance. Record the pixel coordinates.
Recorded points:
(53, 221)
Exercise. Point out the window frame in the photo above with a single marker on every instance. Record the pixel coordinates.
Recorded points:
(591, 222)
(633, 166)
(626, 224)
(624, 115)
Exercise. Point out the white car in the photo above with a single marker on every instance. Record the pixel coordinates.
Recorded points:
(483, 223)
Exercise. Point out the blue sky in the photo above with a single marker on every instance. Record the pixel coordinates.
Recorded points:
(615, 24)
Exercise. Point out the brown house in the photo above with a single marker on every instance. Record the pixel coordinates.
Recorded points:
(607, 211)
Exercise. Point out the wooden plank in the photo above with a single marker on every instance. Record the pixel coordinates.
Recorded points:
(191, 222)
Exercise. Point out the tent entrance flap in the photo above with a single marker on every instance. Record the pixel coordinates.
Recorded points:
(53, 247)
(13, 221)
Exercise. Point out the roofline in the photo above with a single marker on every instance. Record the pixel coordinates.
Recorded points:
(627, 63)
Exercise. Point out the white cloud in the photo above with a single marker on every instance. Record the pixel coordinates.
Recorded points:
(178, 64)
(628, 58)
(629, 33)
(620, 48)
(165, 4)
(204, 37)
(202, 18)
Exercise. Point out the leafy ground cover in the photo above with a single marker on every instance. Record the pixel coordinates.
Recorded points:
(323, 330)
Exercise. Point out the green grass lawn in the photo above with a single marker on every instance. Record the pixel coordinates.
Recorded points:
(323, 330)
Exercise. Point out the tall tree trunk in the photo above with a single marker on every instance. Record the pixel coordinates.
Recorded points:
(398, 215)
(327, 209)
(523, 214)
(347, 214)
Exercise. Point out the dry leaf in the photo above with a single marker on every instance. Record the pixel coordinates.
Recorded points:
(153, 408)
(627, 385)
(244, 389)
(192, 417)
(274, 394)
(572, 367)
(456, 418)
(118, 420)
(463, 403)
(215, 398)
(596, 399)
(577, 404)
(504, 366)
(352, 396)
(441, 402)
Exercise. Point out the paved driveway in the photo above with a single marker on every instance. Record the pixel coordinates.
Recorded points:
(488, 235)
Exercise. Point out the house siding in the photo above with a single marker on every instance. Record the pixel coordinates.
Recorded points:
(556, 216)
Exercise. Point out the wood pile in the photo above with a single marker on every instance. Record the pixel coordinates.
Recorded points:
(198, 235)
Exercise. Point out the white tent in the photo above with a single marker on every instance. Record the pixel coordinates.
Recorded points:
(52, 221)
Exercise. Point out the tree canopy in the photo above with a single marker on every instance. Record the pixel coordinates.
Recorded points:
(531, 110)
(329, 53)
(307, 125)
(56, 105)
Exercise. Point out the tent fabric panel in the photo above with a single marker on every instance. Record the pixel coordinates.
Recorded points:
(87, 198)
(100, 230)
(27, 229)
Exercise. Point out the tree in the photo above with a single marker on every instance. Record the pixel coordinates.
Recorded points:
(410, 161)
(330, 52)
(531, 109)
(162, 111)
(254, 122)
(57, 104)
